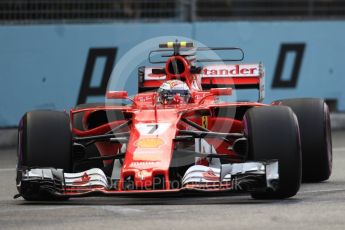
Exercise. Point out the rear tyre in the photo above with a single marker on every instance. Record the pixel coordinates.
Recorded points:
(45, 140)
(272, 133)
(316, 140)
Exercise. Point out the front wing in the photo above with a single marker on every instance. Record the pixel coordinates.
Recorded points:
(236, 177)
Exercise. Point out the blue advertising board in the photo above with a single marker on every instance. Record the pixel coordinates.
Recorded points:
(57, 66)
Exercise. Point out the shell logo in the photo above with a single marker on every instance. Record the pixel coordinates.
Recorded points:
(149, 142)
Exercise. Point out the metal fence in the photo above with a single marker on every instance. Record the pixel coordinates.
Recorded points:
(218, 9)
(72, 10)
(27, 11)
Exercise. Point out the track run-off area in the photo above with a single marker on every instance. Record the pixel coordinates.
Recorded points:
(316, 206)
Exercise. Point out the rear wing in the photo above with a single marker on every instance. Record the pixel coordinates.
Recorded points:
(148, 81)
(238, 76)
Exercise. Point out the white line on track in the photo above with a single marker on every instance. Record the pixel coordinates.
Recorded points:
(7, 170)
(120, 209)
(338, 149)
(38, 208)
(325, 190)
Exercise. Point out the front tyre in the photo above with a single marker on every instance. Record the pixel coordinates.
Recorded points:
(44, 140)
(272, 133)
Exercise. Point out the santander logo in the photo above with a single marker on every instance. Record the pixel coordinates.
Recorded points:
(246, 70)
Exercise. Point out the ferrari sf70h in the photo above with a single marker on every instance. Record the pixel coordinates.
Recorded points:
(182, 133)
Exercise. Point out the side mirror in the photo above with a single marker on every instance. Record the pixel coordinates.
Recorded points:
(117, 95)
(221, 91)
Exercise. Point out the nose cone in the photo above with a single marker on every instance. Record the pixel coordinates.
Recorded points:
(146, 179)
(143, 179)
(150, 149)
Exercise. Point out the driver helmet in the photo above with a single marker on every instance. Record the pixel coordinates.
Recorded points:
(174, 92)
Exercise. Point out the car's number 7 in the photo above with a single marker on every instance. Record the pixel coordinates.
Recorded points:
(153, 129)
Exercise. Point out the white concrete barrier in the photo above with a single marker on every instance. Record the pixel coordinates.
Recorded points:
(338, 121)
(8, 138)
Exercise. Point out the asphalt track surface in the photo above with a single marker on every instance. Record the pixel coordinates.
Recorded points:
(316, 206)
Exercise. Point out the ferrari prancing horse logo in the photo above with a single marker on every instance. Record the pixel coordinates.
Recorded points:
(204, 122)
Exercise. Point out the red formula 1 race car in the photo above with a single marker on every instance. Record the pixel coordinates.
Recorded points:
(177, 136)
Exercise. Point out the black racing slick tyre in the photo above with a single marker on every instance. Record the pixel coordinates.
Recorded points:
(272, 133)
(44, 140)
(316, 138)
